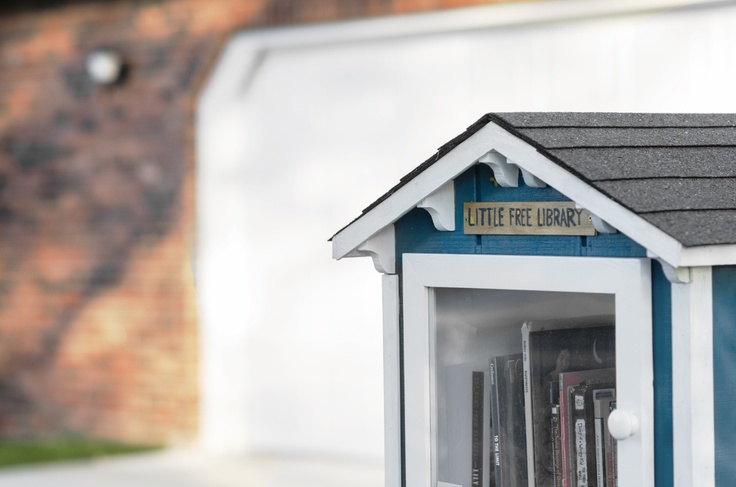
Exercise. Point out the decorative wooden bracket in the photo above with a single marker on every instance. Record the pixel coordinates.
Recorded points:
(676, 275)
(600, 225)
(441, 207)
(505, 173)
(381, 247)
(531, 180)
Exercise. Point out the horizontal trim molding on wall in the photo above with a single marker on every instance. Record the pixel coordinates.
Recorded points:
(244, 52)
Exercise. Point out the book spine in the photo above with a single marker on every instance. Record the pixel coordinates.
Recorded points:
(599, 447)
(528, 406)
(580, 438)
(601, 404)
(496, 425)
(476, 474)
(556, 447)
(565, 435)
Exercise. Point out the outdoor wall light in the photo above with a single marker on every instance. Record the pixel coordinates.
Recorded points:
(104, 66)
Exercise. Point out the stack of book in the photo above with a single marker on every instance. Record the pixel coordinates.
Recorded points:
(549, 407)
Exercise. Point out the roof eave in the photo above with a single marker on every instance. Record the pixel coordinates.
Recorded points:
(492, 136)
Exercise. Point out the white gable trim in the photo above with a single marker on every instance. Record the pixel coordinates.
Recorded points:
(408, 196)
(494, 138)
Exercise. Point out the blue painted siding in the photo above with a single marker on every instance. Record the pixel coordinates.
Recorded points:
(724, 373)
(662, 344)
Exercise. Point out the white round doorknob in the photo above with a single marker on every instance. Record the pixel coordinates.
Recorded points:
(622, 424)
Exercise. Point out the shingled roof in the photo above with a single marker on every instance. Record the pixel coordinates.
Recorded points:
(675, 171)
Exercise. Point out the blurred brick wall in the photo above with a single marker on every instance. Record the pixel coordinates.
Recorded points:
(98, 329)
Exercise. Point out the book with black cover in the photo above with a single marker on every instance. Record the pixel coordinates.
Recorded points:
(550, 348)
(476, 473)
(508, 430)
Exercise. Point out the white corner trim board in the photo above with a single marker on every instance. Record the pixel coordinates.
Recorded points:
(629, 280)
(391, 382)
(692, 380)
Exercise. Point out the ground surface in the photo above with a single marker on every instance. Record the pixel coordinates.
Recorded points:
(190, 469)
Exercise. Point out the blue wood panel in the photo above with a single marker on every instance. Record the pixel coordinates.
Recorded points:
(662, 353)
(724, 373)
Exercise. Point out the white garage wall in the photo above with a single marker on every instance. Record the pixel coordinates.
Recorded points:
(299, 129)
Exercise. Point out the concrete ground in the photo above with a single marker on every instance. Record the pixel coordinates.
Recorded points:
(183, 468)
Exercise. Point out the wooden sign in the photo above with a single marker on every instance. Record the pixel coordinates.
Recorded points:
(526, 218)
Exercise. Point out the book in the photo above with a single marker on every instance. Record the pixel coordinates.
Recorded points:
(588, 464)
(548, 349)
(601, 401)
(497, 392)
(508, 433)
(601, 406)
(567, 381)
(514, 459)
(476, 472)
(556, 447)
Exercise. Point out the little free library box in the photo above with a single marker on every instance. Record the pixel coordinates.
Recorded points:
(559, 299)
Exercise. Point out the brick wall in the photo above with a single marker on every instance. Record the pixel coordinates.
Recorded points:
(98, 330)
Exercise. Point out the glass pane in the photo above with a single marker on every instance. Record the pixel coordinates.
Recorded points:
(482, 409)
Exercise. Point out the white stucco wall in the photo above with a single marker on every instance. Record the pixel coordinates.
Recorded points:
(299, 129)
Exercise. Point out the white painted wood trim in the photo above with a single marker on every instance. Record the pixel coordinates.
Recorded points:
(417, 418)
(505, 173)
(600, 225)
(391, 382)
(676, 275)
(692, 380)
(381, 247)
(628, 279)
(441, 207)
(531, 180)
(708, 255)
(408, 196)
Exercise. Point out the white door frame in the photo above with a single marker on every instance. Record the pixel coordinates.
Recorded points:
(629, 280)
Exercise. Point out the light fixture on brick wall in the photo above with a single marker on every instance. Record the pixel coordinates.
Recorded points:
(104, 66)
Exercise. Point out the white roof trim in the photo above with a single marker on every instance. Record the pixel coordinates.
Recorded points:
(493, 137)
(408, 196)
